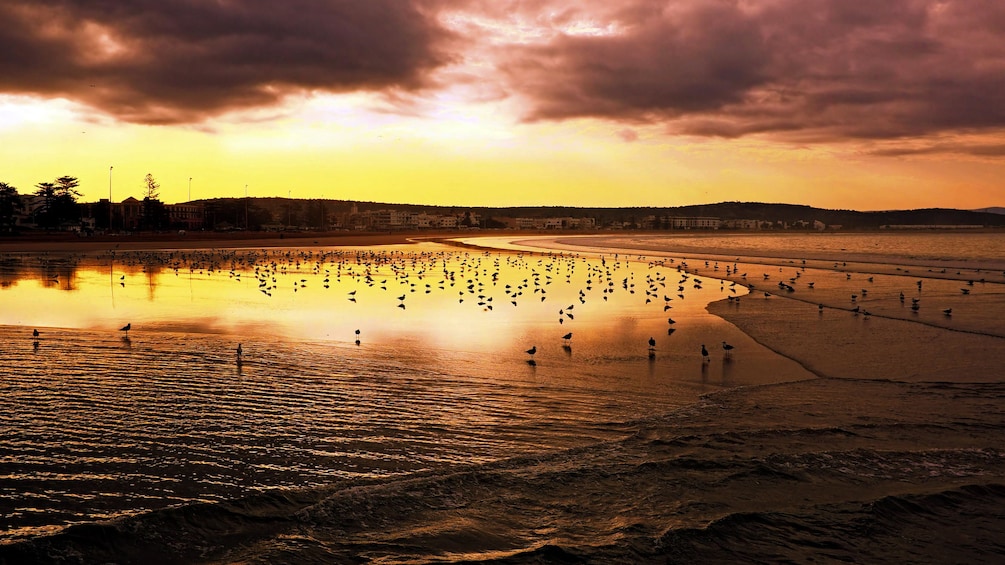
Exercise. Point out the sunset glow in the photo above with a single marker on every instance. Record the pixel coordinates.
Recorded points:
(637, 103)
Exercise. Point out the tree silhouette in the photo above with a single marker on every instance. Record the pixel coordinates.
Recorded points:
(150, 187)
(66, 208)
(10, 203)
(59, 202)
(155, 214)
(44, 215)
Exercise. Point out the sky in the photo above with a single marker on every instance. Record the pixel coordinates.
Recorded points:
(832, 103)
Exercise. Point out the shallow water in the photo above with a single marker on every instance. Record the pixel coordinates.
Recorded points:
(101, 423)
(435, 440)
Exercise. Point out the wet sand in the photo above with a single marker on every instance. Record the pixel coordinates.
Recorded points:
(833, 343)
(884, 339)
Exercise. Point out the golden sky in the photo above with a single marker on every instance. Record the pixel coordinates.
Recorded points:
(830, 103)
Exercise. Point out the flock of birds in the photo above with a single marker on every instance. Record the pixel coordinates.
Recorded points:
(476, 277)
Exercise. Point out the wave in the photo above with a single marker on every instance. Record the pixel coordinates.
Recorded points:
(958, 525)
(779, 473)
(636, 500)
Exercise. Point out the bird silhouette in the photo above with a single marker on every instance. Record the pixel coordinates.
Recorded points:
(652, 343)
(727, 348)
(126, 328)
(704, 353)
(567, 336)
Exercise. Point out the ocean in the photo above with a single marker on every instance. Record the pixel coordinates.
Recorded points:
(432, 435)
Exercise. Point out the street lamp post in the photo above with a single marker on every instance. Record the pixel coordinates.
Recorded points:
(109, 198)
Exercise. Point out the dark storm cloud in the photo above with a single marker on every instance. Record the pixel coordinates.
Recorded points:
(819, 70)
(177, 61)
(803, 70)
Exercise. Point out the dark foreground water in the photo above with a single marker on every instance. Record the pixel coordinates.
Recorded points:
(434, 440)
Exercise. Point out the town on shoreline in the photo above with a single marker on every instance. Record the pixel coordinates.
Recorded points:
(42, 216)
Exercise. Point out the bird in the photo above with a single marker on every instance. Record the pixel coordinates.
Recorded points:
(567, 336)
(532, 351)
(126, 328)
(240, 352)
(704, 353)
(34, 333)
(652, 343)
(727, 348)
(948, 311)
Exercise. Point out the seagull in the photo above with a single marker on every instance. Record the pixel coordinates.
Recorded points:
(704, 354)
(567, 336)
(727, 348)
(126, 328)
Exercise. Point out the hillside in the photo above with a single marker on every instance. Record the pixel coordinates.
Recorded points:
(308, 212)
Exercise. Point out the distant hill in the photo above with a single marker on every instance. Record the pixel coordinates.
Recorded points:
(992, 210)
(766, 212)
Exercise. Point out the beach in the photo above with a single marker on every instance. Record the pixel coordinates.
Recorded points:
(846, 425)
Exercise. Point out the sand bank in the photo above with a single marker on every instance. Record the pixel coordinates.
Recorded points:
(856, 319)
(833, 343)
